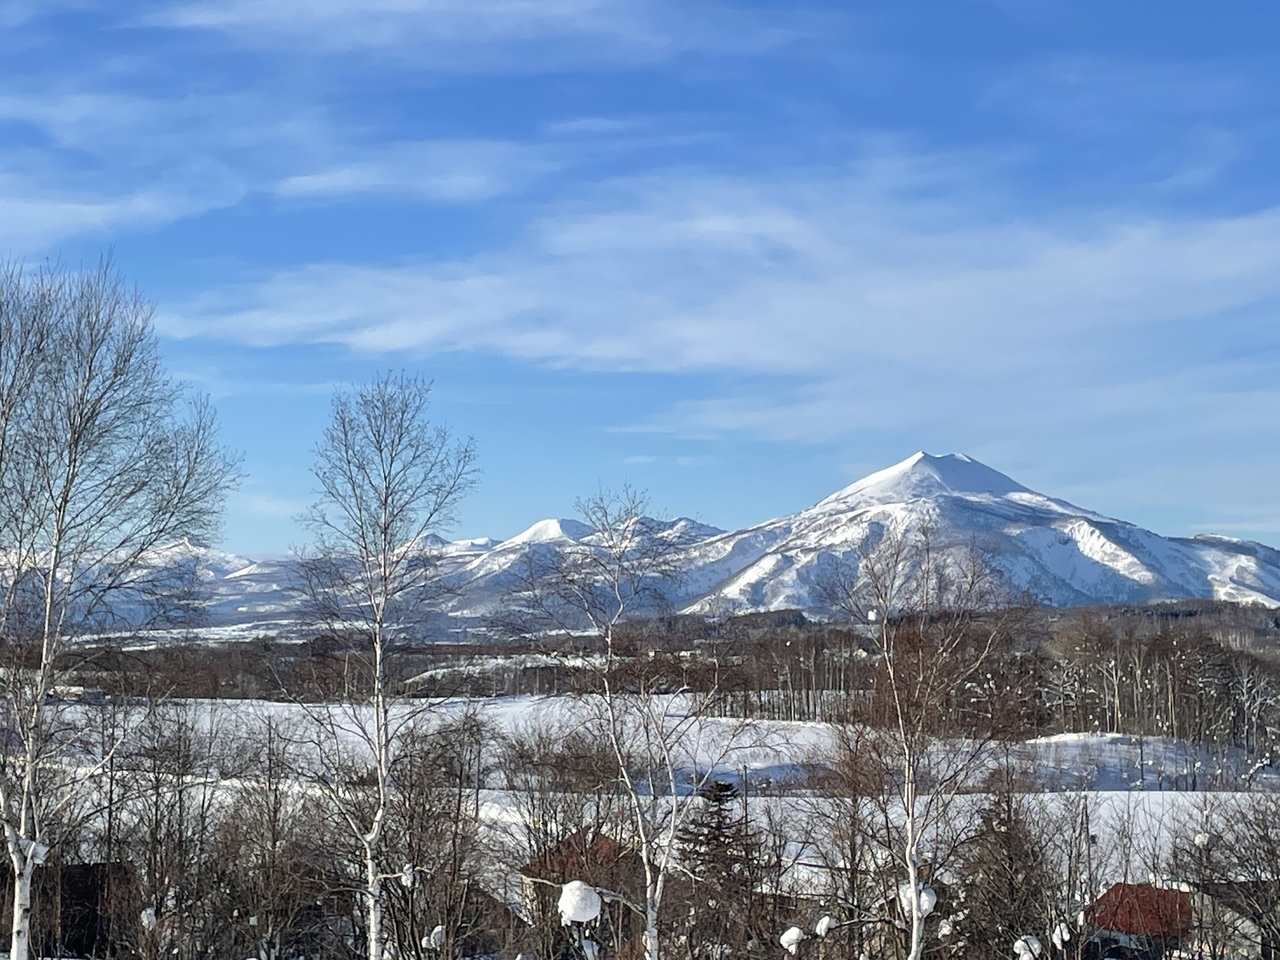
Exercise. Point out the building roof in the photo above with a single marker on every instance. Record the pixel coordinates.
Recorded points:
(584, 855)
(1143, 911)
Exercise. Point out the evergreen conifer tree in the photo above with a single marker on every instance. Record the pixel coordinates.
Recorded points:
(722, 853)
(1007, 884)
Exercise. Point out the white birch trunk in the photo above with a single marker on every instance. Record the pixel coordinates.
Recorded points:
(650, 930)
(20, 940)
(382, 747)
(373, 909)
(911, 843)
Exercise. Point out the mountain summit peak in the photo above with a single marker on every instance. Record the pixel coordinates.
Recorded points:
(925, 474)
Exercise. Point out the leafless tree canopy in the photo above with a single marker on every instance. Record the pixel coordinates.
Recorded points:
(101, 459)
(101, 466)
(388, 480)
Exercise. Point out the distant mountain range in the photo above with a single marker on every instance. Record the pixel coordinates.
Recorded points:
(1059, 554)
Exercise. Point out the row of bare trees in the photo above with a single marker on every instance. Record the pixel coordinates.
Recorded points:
(213, 834)
(1010, 863)
(1086, 676)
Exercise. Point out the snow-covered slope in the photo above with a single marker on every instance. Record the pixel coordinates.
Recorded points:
(1058, 553)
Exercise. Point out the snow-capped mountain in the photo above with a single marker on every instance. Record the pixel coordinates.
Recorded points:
(1058, 553)
(482, 581)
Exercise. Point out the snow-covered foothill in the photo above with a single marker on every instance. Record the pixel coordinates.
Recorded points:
(1060, 553)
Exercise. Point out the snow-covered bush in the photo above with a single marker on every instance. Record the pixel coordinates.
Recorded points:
(435, 939)
(791, 939)
(579, 903)
(1028, 948)
(927, 899)
(1061, 935)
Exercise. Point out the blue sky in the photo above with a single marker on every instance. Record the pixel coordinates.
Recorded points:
(737, 254)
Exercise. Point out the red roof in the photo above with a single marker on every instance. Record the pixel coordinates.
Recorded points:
(583, 855)
(1143, 911)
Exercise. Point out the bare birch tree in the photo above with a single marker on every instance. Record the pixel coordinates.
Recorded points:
(937, 616)
(389, 479)
(100, 465)
(664, 744)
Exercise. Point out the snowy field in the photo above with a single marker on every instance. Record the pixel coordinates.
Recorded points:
(778, 752)
(1139, 799)
(1141, 794)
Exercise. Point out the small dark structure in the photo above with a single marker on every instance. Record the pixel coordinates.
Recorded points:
(78, 910)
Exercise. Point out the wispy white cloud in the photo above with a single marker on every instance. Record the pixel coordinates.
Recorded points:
(700, 274)
(1092, 93)
(1207, 153)
(1175, 124)
(102, 162)
(38, 215)
(485, 35)
(93, 164)
(14, 13)
(440, 170)
(697, 460)
(589, 126)
(220, 383)
(108, 144)
(882, 298)
(380, 22)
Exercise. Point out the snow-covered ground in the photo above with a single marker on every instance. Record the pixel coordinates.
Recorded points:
(1140, 795)
(775, 755)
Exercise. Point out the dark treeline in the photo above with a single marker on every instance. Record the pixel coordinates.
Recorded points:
(1208, 673)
